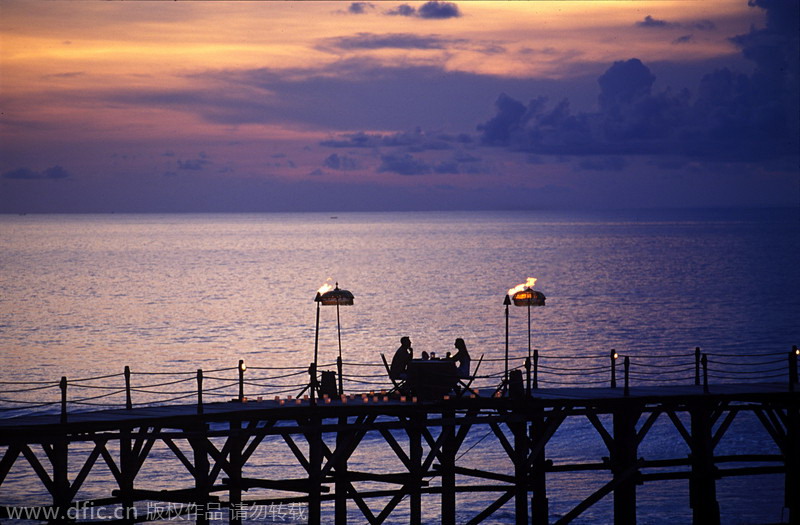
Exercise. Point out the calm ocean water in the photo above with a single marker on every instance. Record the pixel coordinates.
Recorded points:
(85, 295)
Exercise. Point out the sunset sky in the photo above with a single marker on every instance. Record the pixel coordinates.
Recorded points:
(196, 106)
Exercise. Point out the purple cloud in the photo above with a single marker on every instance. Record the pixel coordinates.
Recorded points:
(403, 164)
(436, 9)
(649, 21)
(197, 164)
(340, 162)
(700, 25)
(54, 172)
(403, 10)
(359, 8)
(390, 41)
(428, 10)
(733, 116)
(411, 141)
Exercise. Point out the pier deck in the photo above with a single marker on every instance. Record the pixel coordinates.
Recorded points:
(218, 439)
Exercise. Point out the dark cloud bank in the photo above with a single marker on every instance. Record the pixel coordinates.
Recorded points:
(55, 172)
(430, 10)
(732, 117)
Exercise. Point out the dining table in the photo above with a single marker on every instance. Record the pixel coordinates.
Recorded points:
(432, 378)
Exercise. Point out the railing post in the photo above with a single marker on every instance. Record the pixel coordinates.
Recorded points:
(793, 367)
(128, 402)
(528, 375)
(199, 390)
(312, 372)
(339, 371)
(63, 386)
(697, 366)
(614, 356)
(535, 369)
(242, 368)
(627, 364)
(704, 362)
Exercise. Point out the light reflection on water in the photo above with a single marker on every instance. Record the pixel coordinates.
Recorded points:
(83, 296)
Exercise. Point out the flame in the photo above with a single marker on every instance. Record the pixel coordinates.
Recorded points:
(528, 284)
(327, 287)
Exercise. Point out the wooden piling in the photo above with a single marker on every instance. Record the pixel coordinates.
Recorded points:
(624, 453)
(315, 457)
(447, 460)
(199, 442)
(59, 458)
(127, 470)
(417, 424)
(792, 464)
(538, 481)
(521, 447)
(237, 440)
(343, 438)
(702, 481)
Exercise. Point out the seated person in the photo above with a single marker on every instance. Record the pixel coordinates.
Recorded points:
(402, 356)
(462, 358)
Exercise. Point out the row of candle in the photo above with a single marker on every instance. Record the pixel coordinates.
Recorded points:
(365, 398)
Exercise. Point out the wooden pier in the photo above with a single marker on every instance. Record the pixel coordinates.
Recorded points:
(216, 442)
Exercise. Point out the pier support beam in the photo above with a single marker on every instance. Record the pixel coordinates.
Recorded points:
(521, 448)
(343, 438)
(417, 424)
(315, 457)
(59, 458)
(237, 440)
(448, 462)
(202, 487)
(792, 459)
(539, 503)
(702, 482)
(127, 472)
(624, 452)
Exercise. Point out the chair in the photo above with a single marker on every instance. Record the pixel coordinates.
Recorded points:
(466, 386)
(399, 386)
(328, 385)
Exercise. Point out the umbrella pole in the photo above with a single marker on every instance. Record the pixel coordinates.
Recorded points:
(339, 359)
(316, 355)
(529, 348)
(507, 302)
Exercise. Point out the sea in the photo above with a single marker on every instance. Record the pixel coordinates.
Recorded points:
(83, 296)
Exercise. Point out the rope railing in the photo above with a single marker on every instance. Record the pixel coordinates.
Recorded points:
(546, 368)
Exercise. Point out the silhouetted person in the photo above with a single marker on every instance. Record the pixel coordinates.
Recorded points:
(401, 358)
(461, 358)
